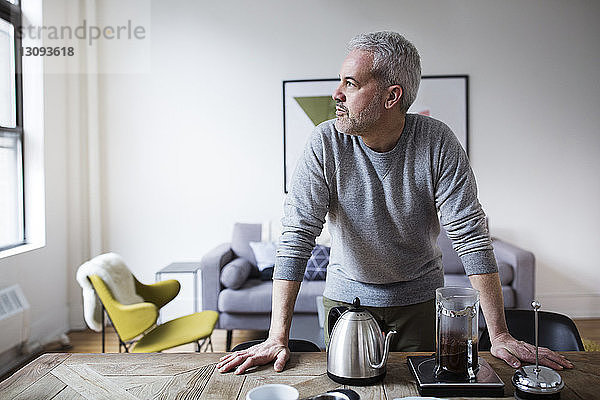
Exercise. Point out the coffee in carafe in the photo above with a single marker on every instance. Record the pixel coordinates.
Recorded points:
(457, 311)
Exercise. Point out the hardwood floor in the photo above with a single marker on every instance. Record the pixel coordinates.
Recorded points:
(589, 328)
(88, 341)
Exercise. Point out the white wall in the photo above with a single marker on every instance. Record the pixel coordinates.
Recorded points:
(195, 143)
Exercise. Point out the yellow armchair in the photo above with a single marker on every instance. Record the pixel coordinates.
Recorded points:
(128, 320)
(136, 326)
(159, 293)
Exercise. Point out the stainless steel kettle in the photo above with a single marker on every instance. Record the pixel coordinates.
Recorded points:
(357, 354)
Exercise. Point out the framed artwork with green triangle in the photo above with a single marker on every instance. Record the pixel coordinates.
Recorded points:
(308, 102)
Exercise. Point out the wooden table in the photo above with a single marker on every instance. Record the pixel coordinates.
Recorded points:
(193, 376)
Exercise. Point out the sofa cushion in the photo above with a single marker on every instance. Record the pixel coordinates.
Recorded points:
(509, 297)
(254, 297)
(243, 234)
(316, 267)
(236, 273)
(506, 273)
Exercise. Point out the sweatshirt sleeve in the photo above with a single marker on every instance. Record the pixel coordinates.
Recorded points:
(305, 208)
(461, 213)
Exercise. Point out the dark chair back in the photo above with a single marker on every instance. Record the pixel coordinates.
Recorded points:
(556, 331)
(295, 345)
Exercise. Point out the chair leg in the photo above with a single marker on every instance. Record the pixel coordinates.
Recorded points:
(206, 342)
(103, 328)
(122, 343)
(228, 341)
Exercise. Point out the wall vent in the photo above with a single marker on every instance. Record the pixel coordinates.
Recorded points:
(14, 317)
(11, 301)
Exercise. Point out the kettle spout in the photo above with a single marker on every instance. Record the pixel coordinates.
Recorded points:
(386, 351)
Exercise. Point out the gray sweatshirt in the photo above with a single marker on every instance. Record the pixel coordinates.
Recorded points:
(382, 211)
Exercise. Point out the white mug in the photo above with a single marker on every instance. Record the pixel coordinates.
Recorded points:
(274, 391)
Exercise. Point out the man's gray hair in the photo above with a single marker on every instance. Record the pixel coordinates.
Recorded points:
(396, 61)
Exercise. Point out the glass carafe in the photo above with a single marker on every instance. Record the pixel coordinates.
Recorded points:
(457, 310)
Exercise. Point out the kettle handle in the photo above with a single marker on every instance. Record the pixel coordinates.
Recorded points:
(334, 314)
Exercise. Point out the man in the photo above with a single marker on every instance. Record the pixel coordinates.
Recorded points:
(382, 177)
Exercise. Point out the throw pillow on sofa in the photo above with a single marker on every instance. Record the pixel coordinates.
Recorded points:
(264, 252)
(266, 274)
(235, 273)
(316, 267)
(242, 234)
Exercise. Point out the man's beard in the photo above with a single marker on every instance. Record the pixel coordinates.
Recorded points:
(357, 124)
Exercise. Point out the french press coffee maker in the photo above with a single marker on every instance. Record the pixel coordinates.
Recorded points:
(457, 313)
(455, 369)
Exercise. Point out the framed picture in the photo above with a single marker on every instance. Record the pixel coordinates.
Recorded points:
(307, 103)
(445, 98)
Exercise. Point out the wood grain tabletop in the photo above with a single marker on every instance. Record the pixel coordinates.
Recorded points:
(193, 376)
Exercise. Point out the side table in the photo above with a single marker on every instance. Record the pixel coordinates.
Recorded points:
(187, 273)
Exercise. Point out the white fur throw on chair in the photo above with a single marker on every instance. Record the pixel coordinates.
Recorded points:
(113, 271)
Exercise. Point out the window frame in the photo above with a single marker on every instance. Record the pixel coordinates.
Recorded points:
(12, 14)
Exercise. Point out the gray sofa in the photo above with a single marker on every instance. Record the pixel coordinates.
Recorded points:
(249, 307)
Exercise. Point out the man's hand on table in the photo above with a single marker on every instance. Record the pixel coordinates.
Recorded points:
(260, 354)
(514, 351)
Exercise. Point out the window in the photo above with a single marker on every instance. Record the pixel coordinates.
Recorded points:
(12, 215)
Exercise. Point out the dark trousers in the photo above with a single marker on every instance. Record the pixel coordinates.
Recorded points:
(414, 324)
